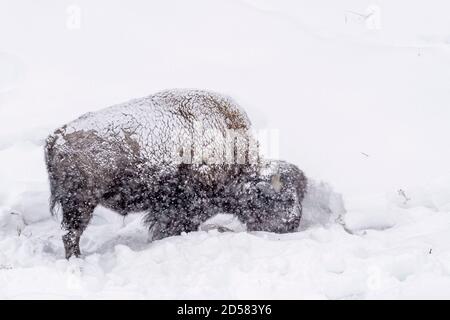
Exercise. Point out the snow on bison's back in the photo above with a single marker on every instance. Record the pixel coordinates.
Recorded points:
(154, 126)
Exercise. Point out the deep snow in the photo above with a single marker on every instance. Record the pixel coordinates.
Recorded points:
(361, 104)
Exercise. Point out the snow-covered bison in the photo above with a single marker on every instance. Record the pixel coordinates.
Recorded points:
(181, 156)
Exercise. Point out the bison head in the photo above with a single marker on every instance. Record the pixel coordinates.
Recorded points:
(275, 197)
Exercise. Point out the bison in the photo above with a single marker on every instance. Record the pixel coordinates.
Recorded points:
(181, 156)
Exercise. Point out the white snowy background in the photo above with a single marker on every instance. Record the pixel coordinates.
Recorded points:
(358, 90)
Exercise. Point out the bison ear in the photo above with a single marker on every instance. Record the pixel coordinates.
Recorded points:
(276, 182)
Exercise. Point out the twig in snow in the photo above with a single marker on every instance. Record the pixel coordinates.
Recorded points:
(402, 193)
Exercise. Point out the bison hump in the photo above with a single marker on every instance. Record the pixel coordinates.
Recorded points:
(153, 126)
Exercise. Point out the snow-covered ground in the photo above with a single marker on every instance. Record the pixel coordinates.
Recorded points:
(359, 92)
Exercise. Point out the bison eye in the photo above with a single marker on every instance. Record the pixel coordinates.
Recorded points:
(264, 187)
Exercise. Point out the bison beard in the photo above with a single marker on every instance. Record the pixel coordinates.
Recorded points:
(120, 158)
